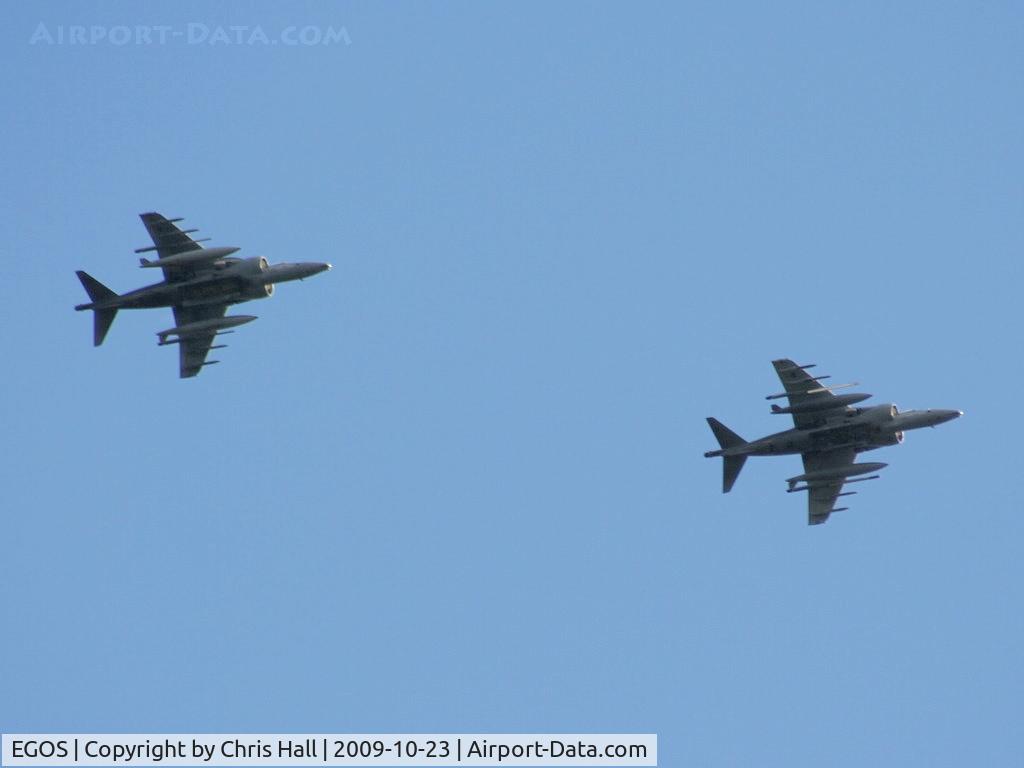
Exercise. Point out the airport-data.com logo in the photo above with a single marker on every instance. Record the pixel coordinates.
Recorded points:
(193, 33)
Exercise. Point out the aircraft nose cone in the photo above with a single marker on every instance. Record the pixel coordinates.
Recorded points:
(311, 268)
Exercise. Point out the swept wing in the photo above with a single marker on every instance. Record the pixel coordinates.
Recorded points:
(194, 347)
(169, 240)
(822, 494)
(812, 402)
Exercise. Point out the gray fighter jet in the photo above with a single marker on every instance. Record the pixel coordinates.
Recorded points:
(199, 285)
(828, 433)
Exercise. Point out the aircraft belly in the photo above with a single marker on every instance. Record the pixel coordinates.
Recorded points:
(838, 437)
(815, 442)
(149, 298)
(206, 291)
(780, 448)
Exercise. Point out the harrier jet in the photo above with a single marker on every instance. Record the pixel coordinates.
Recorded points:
(199, 285)
(828, 432)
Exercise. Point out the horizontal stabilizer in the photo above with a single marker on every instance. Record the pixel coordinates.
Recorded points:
(732, 464)
(97, 291)
(731, 470)
(725, 436)
(103, 317)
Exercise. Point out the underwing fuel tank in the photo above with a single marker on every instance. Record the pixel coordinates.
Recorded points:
(202, 327)
(837, 473)
(825, 404)
(197, 256)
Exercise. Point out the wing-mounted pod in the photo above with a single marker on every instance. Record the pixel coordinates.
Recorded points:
(800, 384)
(188, 258)
(203, 328)
(822, 405)
(834, 475)
(813, 389)
(810, 487)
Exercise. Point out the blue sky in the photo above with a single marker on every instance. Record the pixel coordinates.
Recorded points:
(456, 484)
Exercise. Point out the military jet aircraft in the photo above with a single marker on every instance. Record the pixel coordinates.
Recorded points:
(828, 433)
(199, 284)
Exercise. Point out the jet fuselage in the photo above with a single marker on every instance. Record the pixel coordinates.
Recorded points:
(232, 281)
(863, 429)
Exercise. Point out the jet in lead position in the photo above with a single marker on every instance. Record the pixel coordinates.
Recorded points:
(828, 433)
(199, 285)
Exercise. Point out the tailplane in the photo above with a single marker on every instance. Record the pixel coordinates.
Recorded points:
(732, 464)
(731, 470)
(103, 317)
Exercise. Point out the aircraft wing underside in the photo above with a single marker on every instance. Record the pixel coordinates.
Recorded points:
(169, 240)
(194, 348)
(804, 390)
(822, 494)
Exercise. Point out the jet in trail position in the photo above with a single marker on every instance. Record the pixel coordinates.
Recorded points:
(199, 284)
(828, 433)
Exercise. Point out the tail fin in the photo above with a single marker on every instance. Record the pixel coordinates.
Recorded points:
(97, 291)
(102, 318)
(725, 436)
(732, 464)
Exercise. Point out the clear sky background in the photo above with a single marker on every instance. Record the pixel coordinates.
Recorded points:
(457, 483)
